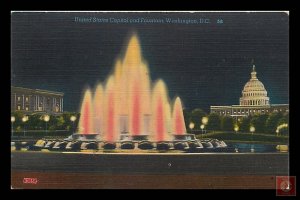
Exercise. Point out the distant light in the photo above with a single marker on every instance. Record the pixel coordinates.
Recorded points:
(46, 118)
(252, 129)
(202, 126)
(25, 119)
(204, 120)
(12, 119)
(192, 125)
(236, 128)
(73, 118)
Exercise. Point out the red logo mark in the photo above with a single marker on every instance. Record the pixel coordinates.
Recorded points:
(285, 185)
(30, 180)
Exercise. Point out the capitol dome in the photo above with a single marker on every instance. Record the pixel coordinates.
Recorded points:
(254, 92)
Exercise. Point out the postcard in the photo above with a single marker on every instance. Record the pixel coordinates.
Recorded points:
(194, 100)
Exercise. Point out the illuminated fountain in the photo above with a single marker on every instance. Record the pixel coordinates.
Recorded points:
(128, 111)
(127, 105)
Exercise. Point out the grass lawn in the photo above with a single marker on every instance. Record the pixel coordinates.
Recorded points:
(247, 137)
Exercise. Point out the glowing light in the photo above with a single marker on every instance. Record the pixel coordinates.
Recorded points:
(73, 118)
(25, 119)
(191, 125)
(236, 128)
(204, 120)
(46, 118)
(252, 129)
(12, 119)
(202, 126)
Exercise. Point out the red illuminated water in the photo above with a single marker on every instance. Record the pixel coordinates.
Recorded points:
(86, 119)
(128, 104)
(178, 119)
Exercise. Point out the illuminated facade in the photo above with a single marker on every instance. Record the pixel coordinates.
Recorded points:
(254, 100)
(36, 100)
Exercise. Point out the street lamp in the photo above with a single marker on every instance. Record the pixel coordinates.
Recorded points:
(73, 119)
(236, 129)
(202, 127)
(192, 125)
(12, 119)
(204, 120)
(24, 120)
(252, 129)
(46, 119)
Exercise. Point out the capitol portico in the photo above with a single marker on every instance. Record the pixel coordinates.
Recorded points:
(254, 100)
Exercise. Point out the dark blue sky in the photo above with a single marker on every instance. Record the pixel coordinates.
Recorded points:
(205, 64)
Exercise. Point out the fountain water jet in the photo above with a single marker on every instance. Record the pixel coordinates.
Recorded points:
(87, 118)
(111, 117)
(178, 119)
(98, 109)
(160, 111)
(129, 105)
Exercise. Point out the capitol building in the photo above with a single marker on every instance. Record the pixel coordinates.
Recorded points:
(254, 100)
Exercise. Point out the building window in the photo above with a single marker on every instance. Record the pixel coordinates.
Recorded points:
(19, 98)
(19, 107)
(27, 108)
(26, 99)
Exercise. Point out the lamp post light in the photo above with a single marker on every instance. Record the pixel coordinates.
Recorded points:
(252, 130)
(204, 120)
(24, 120)
(46, 119)
(236, 129)
(73, 119)
(191, 125)
(12, 119)
(202, 127)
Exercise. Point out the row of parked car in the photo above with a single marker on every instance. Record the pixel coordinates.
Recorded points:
(186, 142)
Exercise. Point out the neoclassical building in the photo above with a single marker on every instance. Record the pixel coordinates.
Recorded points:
(36, 101)
(254, 100)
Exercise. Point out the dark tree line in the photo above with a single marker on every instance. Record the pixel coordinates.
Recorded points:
(36, 121)
(263, 123)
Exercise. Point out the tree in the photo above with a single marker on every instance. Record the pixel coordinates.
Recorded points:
(214, 122)
(187, 116)
(196, 117)
(259, 121)
(284, 120)
(245, 124)
(227, 123)
(35, 122)
(272, 122)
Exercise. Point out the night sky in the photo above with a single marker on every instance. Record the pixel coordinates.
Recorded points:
(205, 64)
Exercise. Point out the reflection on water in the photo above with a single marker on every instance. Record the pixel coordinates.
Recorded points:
(256, 148)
